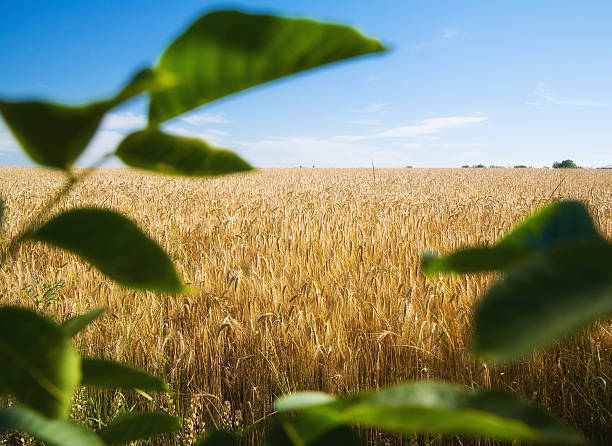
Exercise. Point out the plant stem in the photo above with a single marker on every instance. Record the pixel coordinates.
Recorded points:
(38, 219)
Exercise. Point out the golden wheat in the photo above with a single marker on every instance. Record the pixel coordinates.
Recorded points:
(310, 279)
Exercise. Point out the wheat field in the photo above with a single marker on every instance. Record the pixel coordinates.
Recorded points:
(307, 279)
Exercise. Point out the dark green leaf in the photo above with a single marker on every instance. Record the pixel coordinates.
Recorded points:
(138, 426)
(437, 408)
(39, 366)
(218, 438)
(54, 135)
(114, 245)
(338, 436)
(109, 374)
(551, 295)
(177, 155)
(75, 324)
(559, 223)
(225, 52)
(311, 430)
(54, 432)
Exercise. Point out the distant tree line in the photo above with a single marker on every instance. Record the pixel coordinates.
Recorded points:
(565, 164)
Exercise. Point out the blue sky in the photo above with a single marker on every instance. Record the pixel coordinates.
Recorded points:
(465, 82)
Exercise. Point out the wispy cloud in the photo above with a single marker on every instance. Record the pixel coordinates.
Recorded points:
(123, 121)
(366, 122)
(217, 132)
(292, 151)
(373, 108)
(423, 128)
(103, 143)
(446, 35)
(208, 136)
(449, 33)
(550, 97)
(7, 142)
(205, 118)
(114, 127)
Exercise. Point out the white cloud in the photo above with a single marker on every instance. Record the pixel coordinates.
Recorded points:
(217, 132)
(103, 143)
(210, 137)
(551, 97)
(429, 126)
(460, 146)
(205, 118)
(123, 120)
(423, 128)
(7, 142)
(366, 122)
(293, 151)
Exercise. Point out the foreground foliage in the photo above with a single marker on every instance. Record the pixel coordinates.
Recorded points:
(208, 61)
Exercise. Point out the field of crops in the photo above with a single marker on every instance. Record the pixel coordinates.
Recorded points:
(307, 279)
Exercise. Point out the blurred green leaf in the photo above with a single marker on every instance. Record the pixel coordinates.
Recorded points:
(114, 245)
(54, 135)
(75, 324)
(110, 374)
(224, 52)
(302, 400)
(551, 295)
(39, 366)
(177, 155)
(556, 224)
(437, 408)
(54, 432)
(129, 427)
(218, 438)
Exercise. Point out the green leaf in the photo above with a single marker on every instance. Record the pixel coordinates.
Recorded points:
(39, 366)
(437, 408)
(75, 324)
(129, 427)
(224, 52)
(559, 223)
(551, 295)
(110, 374)
(302, 400)
(54, 432)
(218, 438)
(114, 245)
(54, 135)
(177, 155)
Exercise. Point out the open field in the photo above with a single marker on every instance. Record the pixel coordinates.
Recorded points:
(309, 279)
